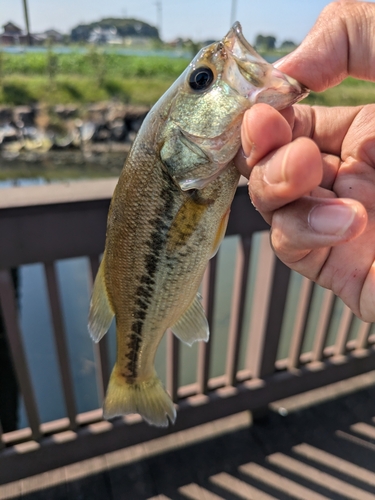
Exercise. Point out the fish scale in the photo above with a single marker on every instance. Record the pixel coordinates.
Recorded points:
(169, 213)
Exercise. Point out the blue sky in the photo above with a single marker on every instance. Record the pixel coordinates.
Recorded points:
(196, 19)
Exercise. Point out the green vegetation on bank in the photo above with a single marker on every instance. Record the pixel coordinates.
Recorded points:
(350, 92)
(81, 78)
(90, 63)
(95, 76)
(18, 89)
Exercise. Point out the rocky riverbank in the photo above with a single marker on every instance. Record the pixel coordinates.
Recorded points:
(74, 135)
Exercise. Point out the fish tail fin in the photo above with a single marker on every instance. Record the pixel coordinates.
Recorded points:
(101, 313)
(146, 397)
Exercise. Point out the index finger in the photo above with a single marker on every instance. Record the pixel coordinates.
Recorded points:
(264, 130)
(326, 126)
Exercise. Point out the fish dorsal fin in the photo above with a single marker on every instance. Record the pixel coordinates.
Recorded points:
(193, 324)
(101, 313)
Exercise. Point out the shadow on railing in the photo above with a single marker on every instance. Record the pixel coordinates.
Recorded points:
(298, 336)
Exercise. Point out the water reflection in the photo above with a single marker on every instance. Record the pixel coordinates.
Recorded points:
(61, 49)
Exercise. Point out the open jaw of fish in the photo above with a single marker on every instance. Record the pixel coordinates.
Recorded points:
(169, 213)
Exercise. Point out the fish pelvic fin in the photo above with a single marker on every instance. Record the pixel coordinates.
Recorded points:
(193, 324)
(101, 313)
(220, 233)
(146, 397)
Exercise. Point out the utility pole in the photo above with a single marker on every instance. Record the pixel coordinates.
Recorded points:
(233, 14)
(29, 40)
(159, 13)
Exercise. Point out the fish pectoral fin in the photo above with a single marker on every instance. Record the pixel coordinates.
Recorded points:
(193, 324)
(101, 313)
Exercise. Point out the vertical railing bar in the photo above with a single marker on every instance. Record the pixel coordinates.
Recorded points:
(2, 444)
(363, 334)
(12, 328)
(321, 332)
(299, 328)
(237, 308)
(60, 341)
(267, 357)
(204, 352)
(260, 303)
(101, 351)
(346, 321)
(173, 365)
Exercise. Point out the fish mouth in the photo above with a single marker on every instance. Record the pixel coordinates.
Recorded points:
(256, 79)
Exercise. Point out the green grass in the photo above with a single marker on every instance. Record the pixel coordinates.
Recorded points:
(64, 89)
(350, 92)
(16, 90)
(81, 78)
(96, 76)
(90, 63)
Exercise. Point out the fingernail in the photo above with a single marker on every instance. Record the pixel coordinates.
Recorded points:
(331, 219)
(249, 153)
(241, 153)
(247, 143)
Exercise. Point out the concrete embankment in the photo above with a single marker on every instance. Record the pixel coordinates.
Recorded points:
(75, 135)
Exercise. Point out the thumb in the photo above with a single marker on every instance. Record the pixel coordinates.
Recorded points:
(339, 44)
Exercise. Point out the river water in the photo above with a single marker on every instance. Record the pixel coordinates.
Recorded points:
(66, 49)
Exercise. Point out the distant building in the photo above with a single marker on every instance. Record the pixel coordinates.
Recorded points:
(104, 35)
(13, 35)
(113, 30)
(11, 29)
(52, 35)
(138, 40)
(178, 42)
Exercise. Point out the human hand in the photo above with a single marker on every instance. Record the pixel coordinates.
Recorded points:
(311, 169)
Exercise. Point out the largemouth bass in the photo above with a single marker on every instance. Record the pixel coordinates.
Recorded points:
(169, 213)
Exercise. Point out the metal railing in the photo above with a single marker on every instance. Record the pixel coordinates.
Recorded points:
(45, 224)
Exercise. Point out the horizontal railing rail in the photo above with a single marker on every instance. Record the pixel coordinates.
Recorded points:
(297, 336)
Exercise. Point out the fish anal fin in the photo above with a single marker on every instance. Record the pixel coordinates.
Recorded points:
(193, 324)
(220, 233)
(146, 397)
(101, 313)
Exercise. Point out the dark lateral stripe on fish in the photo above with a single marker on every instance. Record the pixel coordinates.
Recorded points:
(145, 290)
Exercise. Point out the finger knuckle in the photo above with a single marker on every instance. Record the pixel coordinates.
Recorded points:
(279, 241)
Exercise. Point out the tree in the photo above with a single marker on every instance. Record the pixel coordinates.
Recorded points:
(288, 45)
(124, 27)
(265, 42)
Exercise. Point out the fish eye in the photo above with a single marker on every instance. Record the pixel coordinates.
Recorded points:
(201, 78)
